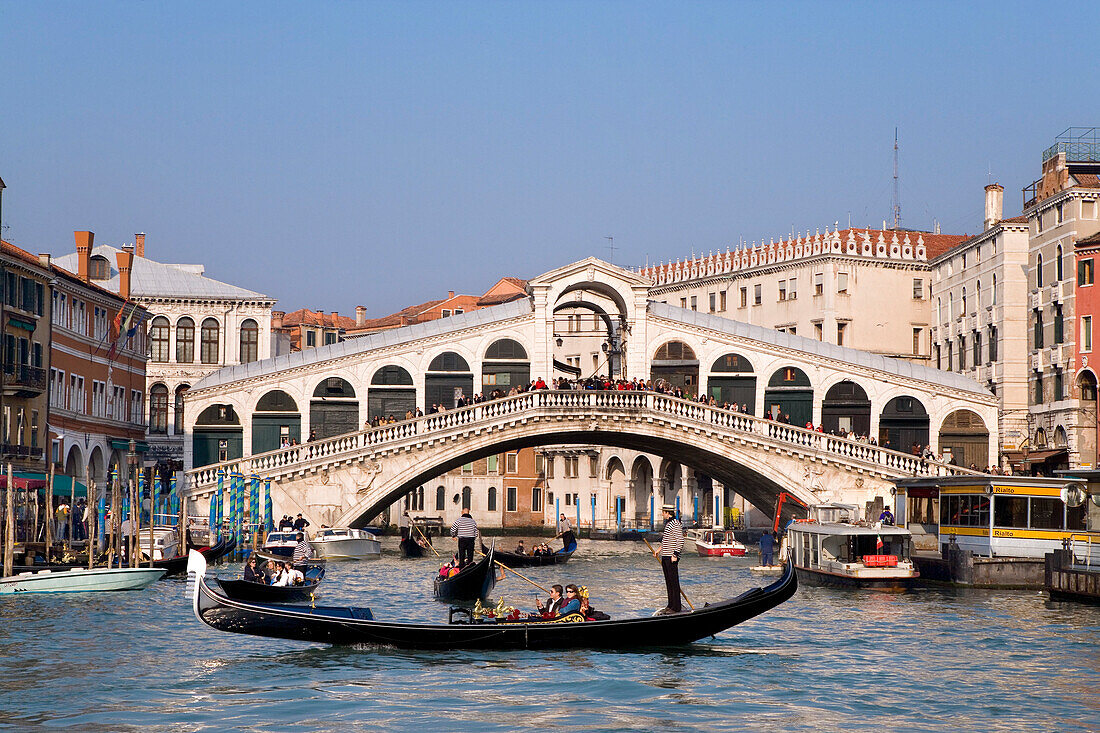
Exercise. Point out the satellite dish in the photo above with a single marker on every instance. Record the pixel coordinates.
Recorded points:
(1073, 496)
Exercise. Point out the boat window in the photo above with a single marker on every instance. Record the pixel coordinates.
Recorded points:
(1010, 511)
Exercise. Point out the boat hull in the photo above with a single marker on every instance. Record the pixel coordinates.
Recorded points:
(515, 560)
(836, 580)
(81, 581)
(365, 548)
(708, 551)
(356, 626)
(474, 582)
(245, 590)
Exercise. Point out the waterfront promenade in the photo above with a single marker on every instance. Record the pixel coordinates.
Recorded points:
(932, 660)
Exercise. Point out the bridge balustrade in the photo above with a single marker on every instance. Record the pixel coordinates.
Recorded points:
(557, 402)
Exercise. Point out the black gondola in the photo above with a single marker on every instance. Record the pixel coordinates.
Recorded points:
(473, 582)
(411, 548)
(348, 625)
(268, 557)
(178, 565)
(515, 560)
(247, 590)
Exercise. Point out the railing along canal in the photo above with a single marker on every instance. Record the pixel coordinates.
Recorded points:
(342, 447)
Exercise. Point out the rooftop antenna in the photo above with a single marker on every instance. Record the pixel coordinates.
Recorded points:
(897, 191)
(611, 247)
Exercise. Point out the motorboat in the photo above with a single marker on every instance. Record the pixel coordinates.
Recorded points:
(80, 580)
(345, 543)
(357, 625)
(165, 542)
(281, 544)
(834, 548)
(719, 543)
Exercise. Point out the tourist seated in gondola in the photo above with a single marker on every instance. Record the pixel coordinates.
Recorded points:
(553, 603)
(520, 549)
(278, 574)
(589, 613)
(449, 569)
(294, 575)
(251, 574)
(572, 602)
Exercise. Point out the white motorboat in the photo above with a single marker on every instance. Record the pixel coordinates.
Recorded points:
(281, 544)
(80, 580)
(345, 543)
(165, 542)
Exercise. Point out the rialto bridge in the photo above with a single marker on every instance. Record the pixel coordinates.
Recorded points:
(240, 419)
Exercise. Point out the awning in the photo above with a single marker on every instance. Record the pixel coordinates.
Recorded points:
(124, 445)
(62, 485)
(1042, 456)
(21, 323)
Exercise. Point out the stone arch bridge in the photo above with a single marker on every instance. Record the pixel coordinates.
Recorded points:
(350, 479)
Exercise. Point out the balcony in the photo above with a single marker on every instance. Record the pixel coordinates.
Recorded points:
(1036, 301)
(24, 380)
(9, 451)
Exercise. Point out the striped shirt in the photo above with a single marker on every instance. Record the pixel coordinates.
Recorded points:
(303, 551)
(672, 539)
(464, 526)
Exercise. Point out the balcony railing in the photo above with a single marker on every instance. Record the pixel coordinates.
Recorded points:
(26, 376)
(9, 450)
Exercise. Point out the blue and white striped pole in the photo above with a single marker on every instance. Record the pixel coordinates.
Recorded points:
(216, 514)
(269, 522)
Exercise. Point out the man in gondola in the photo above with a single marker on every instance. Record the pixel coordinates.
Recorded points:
(565, 531)
(465, 530)
(553, 603)
(672, 544)
(303, 550)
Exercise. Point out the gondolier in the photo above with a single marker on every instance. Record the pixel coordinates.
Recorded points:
(672, 544)
(303, 550)
(465, 529)
(565, 531)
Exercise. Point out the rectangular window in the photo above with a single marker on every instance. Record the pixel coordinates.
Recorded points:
(510, 461)
(34, 428)
(840, 333)
(722, 300)
(683, 302)
(1086, 333)
(992, 344)
(311, 338)
(492, 465)
(757, 294)
(695, 302)
(962, 353)
(330, 338)
(1058, 336)
(950, 354)
(571, 466)
(446, 313)
(939, 364)
(1010, 511)
(918, 288)
(1047, 513)
(744, 297)
(792, 289)
(536, 499)
(842, 282)
(1037, 397)
(817, 331)
(713, 302)
(977, 339)
(916, 340)
(1061, 213)
(782, 289)
(819, 283)
(1059, 391)
(512, 493)
(467, 468)
(1038, 328)
(593, 466)
(1084, 272)
(458, 311)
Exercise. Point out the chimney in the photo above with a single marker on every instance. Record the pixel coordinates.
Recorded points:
(44, 260)
(360, 315)
(125, 260)
(277, 319)
(84, 253)
(994, 204)
(335, 318)
(403, 321)
(139, 244)
(450, 294)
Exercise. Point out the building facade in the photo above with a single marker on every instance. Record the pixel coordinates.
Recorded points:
(980, 329)
(197, 325)
(1061, 208)
(865, 289)
(97, 375)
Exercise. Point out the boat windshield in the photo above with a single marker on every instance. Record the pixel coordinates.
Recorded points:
(896, 545)
(282, 537)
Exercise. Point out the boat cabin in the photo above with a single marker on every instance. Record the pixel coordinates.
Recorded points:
(835, 548)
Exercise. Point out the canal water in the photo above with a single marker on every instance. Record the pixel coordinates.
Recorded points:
(932, 660)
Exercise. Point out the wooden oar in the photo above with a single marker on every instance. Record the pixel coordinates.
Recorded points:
(429, 544)
(692, 607)
(521, 575)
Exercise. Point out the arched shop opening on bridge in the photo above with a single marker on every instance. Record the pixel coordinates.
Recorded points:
(1087, 434)
(218, 436)
(275, 422)
(789, 393)
(966, 438)
(391, 393)
(732, 381)
(505, 366)
(448, 378)
(903, 424)
(334, 410)
(675, 362)
(846, 409)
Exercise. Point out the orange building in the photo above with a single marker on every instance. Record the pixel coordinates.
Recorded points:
(97, 376)
(504, 290)
(305, 328)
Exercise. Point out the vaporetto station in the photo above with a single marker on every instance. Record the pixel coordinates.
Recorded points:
(239, 419)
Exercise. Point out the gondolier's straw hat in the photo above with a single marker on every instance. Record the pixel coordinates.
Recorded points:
(668, 508)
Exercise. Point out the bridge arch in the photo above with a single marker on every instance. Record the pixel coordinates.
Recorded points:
(217, 435)
(448, 377)
(966, 435)
(904, 422)
(790, 392)
(334, 408)
(641, 485)
(846, 408)
(733, 380)
(97, 469)
(74, 461)
(506, 364)
(677, 362)
(392, 392)
(275, 421)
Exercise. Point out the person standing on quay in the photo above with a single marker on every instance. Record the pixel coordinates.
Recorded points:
(672, 544)
(767, 549)
(465, 529)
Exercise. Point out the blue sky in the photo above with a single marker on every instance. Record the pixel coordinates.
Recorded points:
(371, 153)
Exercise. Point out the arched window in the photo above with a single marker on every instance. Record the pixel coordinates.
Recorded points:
(993, 292)
(210, 337)
(467, 497)
(99, 268)
(158, 408)
(158, 339)
(250, 341)
(185, 341)
(675, 351)
(964, 302)
(1039, 272)
(181, 394)
(440, 498)
(491, 500)
(1058, 265)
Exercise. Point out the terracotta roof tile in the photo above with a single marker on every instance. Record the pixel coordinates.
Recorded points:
(21, 254)
(304, 317)
(1087, 180)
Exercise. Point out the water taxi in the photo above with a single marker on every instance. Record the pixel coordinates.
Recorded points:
(281, 544)
(345, 543)
(718, 543)
(834, 548)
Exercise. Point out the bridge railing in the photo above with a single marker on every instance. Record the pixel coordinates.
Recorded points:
(595, 401)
